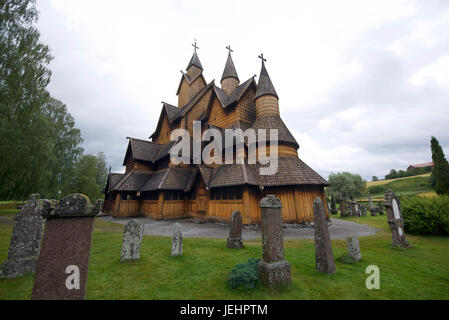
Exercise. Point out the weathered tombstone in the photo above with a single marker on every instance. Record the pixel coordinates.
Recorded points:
(353, 248)
(235, 240)
(176, 246)
(63, 263)
(354, 208)
(25, 240)
(363, 211)
(372, 209)
(379, 208)
(343, 212)
(274, 270)
(132, 240)
(324, 258)
(395, 220)
(333, 206)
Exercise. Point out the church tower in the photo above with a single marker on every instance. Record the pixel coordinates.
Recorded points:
(229, 80)
(266, 100)
(192, 81)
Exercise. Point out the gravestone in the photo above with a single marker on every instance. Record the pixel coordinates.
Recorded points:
(343, 211)
(363, 211)
(62, 267)
(324, 258)
(235, 240)
(395, 220)
(333, 206)
(176, 246)
(372, 209)
(274, 270)
(25, 240)
(353, 248)
(354, 208)
(132, 240)
(371, 206)
(379, 208)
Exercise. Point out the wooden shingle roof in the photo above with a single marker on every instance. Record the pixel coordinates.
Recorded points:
(291, 171)
(265, 86)
(274, 122)
(229, 70)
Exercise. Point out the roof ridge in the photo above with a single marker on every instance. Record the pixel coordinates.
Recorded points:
(119, 184)
(164, 178)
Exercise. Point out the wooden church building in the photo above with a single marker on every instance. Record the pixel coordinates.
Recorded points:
(154, 187)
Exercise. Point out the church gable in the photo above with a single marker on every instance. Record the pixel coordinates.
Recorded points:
(246, 109)
(196, 110)
(220, 117)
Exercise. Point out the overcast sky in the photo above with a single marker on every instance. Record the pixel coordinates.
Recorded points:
(363, 85)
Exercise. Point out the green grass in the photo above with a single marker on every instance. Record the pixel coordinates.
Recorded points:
(201, 273)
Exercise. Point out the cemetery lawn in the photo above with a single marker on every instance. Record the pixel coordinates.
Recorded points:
(420, 272)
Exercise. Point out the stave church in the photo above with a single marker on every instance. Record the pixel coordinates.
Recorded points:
(155, 187)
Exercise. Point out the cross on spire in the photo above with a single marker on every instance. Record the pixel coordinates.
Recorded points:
(262, 58)
(194, 45)
(229, 49)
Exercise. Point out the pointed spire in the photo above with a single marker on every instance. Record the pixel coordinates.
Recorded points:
(194, 61)
(265, 86)
(229, 70)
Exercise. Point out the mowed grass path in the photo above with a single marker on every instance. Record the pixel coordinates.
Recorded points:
(418, 273)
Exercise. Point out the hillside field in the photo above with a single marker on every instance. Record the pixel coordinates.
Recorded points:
(415, 185)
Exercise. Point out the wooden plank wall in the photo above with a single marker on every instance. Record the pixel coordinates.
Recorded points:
(221, 210)
(128, 208)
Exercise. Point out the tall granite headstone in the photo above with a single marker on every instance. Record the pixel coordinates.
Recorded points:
(274, 270)
(324, 258)
(343, 211)
(235, 240)
(176, 246)
(353, 248)
(333, 206)
(63, 263)
(395, 220)
(25, 240)
(132, 240)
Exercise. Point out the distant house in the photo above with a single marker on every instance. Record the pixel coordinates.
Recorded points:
(421, 165)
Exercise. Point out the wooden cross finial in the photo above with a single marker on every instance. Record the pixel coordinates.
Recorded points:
(262, 58)
(229, 49)
(194, 45)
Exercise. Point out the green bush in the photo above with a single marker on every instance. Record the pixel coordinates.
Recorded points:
(345, 259)
(245, 276)
(426, 215)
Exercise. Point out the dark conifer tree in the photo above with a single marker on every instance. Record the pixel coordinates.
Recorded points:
(441, 169)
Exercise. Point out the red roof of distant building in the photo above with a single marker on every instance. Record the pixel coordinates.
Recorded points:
(421, 165)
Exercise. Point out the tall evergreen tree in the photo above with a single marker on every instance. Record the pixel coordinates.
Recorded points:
(441, 168)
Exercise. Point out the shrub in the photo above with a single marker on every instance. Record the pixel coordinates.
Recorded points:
(245, 276)
(345, 259)
(426, 215)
